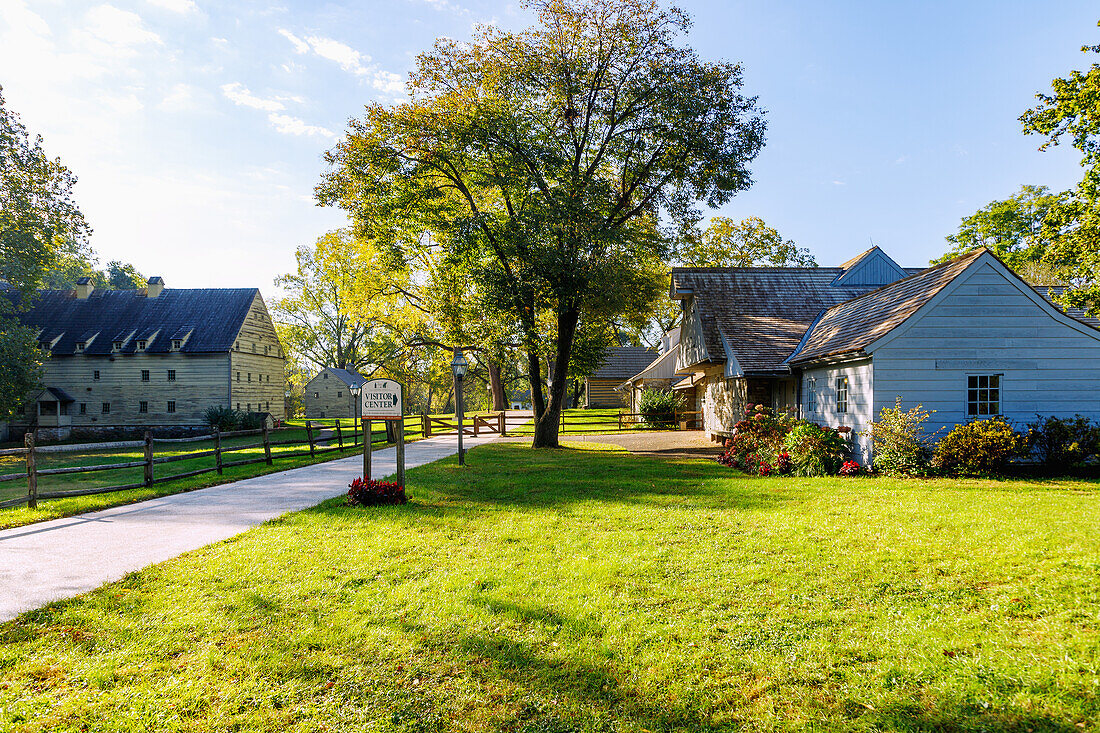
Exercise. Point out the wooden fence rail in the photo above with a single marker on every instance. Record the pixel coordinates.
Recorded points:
(319, 439)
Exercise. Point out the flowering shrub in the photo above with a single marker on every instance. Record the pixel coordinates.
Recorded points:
(978, 447)
(374, 493)
(850, 468)
(757, 439)
(815, 451)
(902, 446)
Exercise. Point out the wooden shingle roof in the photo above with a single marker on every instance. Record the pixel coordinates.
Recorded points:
(209, 319)
(848, 327)
(762, 312)
(623, 362)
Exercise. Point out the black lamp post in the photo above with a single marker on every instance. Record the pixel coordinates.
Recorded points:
(355, 389)
(459, 365)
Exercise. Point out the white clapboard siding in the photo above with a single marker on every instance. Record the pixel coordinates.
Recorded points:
(985, 324)
(861, 393)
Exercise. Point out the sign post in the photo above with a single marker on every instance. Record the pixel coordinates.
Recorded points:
(383, 399)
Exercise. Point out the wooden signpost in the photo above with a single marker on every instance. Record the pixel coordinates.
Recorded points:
(383, 399)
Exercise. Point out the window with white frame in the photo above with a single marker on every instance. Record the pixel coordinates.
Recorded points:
(983, 394)
(811, 395)
(841, 394)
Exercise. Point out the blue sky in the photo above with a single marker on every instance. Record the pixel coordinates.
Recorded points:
(197, 127)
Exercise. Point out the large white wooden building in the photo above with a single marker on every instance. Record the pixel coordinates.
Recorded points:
(967, 338)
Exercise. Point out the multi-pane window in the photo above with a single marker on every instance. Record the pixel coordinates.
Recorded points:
(141, 345)
(171, 375)
(811, 395)
(145, 375)
(238, 377)
(106, 408)
(171, 405)
(267, 406)
(83, 408)
(250, 376)
(842, 394)
(95, 375)
(80, 346)
(339, 394)
(143, 407)
(983, 394)
(176, 343)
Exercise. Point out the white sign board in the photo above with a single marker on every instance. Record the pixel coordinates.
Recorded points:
(381, 399)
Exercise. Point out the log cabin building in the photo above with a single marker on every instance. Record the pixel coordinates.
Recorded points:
(601, 387)
(151, 357)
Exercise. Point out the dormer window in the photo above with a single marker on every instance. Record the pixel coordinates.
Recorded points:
(141, 345)
(176, 344)
(79, 346)
(117, 346)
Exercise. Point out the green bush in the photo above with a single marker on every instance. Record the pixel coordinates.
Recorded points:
(979, 447)
(221, 417)
(657, 406)
(814, 450)
(1063, 442)
(901, 445)
(250, 421)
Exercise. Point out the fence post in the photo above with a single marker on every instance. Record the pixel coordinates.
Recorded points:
(502, 424)
(339, 436)
(218, 450)
(32, 471)
(620, 421)
(400, 451)
(425, 425)
(267, 444)
(476, 418)
(148, 458)
(309, 435)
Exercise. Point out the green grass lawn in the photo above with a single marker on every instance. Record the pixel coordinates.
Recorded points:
(54, 508)
(591, 590)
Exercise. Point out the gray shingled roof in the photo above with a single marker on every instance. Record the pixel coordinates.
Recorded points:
(623, 362)
(1050, 292)
(763, 312)
(213, 316)
(849, 326)
(348, 376)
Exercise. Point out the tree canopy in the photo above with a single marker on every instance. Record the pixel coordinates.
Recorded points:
(747, 243)
(1013, 229)
(555, 163)
(1071, 226)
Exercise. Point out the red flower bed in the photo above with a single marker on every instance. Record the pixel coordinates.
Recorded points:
(375, 493)
(850, 468)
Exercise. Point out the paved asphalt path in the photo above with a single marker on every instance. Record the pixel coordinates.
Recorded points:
(62, 558)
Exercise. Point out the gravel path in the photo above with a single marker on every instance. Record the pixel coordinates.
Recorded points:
(62, 558)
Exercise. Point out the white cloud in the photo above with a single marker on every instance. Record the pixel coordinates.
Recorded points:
(122, 104)
(119, 27)
(343, 54)
(176, 6)
(183, 98)
(293, 126)
(238, 94)
(349, 60)
(16, 15)
(300, 46)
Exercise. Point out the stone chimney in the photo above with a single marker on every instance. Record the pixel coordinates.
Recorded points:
(84, 288)
(155, 286)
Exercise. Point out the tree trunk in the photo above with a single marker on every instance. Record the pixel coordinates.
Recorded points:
(547, 424)
(496, 386)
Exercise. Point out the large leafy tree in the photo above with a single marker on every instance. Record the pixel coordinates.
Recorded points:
(1013, 229)
(746, 243)
(554, 162)
(40, 228)
(1072, 225)
(341, 306)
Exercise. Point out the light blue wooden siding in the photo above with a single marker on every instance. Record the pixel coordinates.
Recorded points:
(985, 324)
(874, 269)
(692, 348)
(861, 394)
